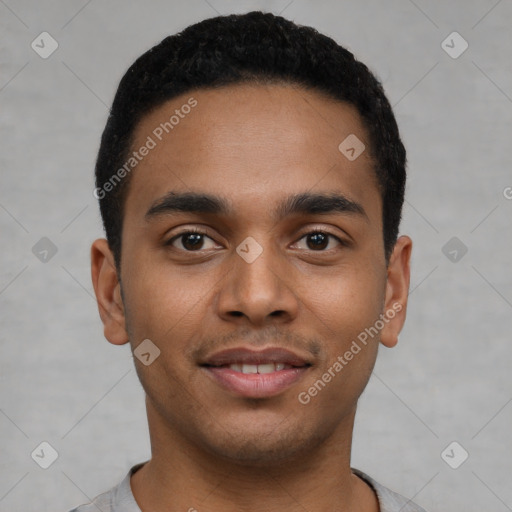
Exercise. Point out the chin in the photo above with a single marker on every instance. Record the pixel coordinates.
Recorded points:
(252, 455)
(262, 447)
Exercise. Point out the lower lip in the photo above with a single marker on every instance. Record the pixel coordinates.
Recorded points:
(255, 385)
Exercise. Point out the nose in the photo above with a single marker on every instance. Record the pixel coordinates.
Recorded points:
(257, 289)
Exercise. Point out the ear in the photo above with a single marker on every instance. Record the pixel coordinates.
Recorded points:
(397, 291)
(108, 292)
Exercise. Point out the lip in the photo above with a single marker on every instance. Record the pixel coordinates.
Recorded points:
(255, 385)
(249, 356)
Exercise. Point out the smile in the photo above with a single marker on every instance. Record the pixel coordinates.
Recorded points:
(256, 374)
(259, 368)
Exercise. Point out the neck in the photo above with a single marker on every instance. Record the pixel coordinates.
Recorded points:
(183, 477)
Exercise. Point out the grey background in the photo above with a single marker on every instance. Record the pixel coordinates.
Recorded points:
(449, 378)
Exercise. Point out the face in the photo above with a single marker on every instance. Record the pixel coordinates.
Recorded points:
(279, 270)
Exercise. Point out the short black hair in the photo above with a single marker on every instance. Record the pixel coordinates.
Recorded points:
(256, 47)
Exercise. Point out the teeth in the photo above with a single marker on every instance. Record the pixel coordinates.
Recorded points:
(258, 368)
(266, 368)
(249, 368)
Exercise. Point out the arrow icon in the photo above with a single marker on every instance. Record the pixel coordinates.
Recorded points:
(44, 455)
(146, 352)
(454, 455)
(351, 147)
(44, 250)
(454, 249)
(454, 45)
(44, 45)
(249, 249)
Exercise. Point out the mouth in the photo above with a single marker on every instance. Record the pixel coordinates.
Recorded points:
(256, 374)
(258, 368)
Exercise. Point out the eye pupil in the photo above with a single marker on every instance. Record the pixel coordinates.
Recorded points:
(192, 241)
(197, 241)
(320, 240)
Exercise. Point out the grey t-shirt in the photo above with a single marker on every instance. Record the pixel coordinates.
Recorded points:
(120, 497)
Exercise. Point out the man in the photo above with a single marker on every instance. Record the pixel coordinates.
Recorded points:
(251, 178)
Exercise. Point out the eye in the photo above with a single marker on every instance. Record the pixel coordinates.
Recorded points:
(191, 240)
(319, 240)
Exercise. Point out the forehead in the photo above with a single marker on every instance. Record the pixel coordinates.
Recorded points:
(248, 142)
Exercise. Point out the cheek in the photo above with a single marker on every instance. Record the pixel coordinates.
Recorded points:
(166, 307)
(348, 300)
(162, 300)
(347, 305)
(345, 308)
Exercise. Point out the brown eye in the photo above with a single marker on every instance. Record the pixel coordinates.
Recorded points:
(190, 241)
(319, 240)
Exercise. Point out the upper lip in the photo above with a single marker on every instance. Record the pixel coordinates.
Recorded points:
(241, 355)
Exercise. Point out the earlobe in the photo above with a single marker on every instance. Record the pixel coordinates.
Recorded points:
(108, 292)
(397, 291)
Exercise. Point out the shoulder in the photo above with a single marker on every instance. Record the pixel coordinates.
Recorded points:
(102, 502)
(117, 499)
(389, 501)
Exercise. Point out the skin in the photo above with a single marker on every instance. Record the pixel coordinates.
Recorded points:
(212, 450)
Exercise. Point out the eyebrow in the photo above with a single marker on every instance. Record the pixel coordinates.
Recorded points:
(303, 203)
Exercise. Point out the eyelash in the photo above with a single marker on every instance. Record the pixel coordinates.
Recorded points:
(196, 231)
